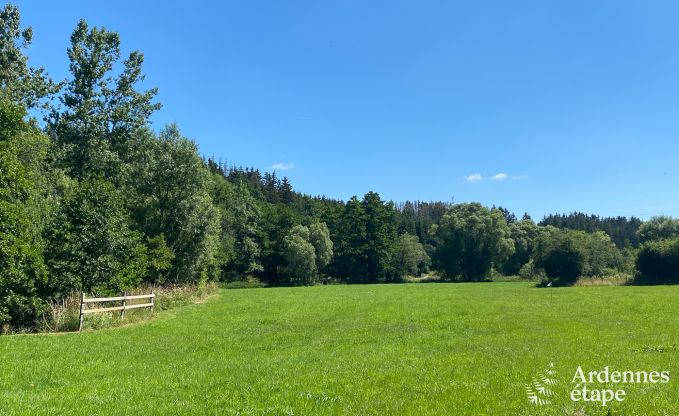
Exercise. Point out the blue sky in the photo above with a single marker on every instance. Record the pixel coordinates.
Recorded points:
(575, 104)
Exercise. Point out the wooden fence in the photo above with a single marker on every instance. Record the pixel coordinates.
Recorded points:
(122, 308)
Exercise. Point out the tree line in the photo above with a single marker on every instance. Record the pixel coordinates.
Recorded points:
(93, 199)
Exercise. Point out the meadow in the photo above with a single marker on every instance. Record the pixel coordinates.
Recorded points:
(410, 349)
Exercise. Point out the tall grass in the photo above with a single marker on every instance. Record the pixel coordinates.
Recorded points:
(64, 315)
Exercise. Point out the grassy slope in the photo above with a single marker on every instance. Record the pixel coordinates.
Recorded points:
(382, 349)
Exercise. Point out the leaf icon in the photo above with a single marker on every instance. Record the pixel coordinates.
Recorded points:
(538, 391)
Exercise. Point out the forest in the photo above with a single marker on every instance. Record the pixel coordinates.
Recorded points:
(94, 199)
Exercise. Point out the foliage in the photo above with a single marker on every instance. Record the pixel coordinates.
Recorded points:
(246, 233)
(566, 255)
(658, 228)
(102, 202)
(100, 112)
(622, 230)
(524, 234)
(300, 256)
(306, 251)
(529, 272)
(470, 239)
(160, 258)
(20, 83)
(562, 256)
(22, 272)
(658, 262)
(365, 237)
(91, 246)
(170, 195)
(319, 237)
(409, 258)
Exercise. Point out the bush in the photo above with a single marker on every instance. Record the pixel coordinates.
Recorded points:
(658, 262)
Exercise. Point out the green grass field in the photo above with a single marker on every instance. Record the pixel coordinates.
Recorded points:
(415, 349)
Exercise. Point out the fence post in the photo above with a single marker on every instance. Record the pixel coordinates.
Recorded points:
(153, 300)
(82, 302)
(122, 312)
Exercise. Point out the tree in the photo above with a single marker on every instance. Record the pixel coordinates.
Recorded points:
(350, 260)
(380, 227)
(300, 256)
(622, 230)
(319, 237)
(658, 262)
(409, 258)
(471, 239)
(100, 112)
(22, 271)
(510, 218)
(524, 234)
(91, 246)
(170, 195)
(247, 233)
(365, 238)
(160, 258)
(601, 254)
(20, 83)
(562, 256)
(658, 228)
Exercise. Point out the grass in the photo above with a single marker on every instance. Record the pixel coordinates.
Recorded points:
(412, 349)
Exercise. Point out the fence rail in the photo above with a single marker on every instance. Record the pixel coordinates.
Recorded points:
(122, 308)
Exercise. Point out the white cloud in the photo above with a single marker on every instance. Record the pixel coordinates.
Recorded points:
(283, 166)
(477, 177)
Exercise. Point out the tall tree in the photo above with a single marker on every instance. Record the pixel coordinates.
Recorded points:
(350, 261)
(319, 237)
(247, 232)
(170, 196)
(472, 238)
(524, 234)
(299, 255)
(100, 111)
(380, 229)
